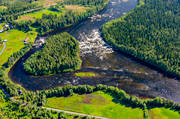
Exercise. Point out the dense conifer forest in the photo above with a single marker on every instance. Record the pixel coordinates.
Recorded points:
(49, 22)
(11, 8)
(150, 33)
(59, 54)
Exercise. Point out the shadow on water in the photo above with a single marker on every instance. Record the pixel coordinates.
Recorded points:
(112, 68)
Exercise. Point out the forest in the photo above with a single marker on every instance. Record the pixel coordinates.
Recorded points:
(59, 54)
(149, 33)
(148, 40)
(11, 9)
(32, 101)
(50, 22)
(16, 110)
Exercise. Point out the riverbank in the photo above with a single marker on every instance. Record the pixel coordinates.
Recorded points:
(59, 54)
(141, 42)
(112, 68)
(111, 99)
(17, 54)
(118, 75)
(15, 42)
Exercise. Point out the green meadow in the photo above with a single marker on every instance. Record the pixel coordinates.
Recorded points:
(38, 14)
(1, 26)
(1, 47)
(35, 15)
(97, 103)
(163, 113)
(15, 41)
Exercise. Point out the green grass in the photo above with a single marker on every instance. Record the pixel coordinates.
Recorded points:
(3, 102)
(15, 41)
(1, 26)
(98, 103)
(1, 47)
(46, 2)
(163, 113)
(38, 14)
(3, 8)
(85, 74)
(35, 15)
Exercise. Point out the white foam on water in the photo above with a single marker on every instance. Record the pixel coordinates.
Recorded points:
(93, 44)
(124, 0)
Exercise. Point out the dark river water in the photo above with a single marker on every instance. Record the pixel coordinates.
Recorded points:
(111, 67)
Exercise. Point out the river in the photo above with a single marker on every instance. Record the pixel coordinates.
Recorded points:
(111, 67)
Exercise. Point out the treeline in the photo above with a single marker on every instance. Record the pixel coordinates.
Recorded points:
(119, 94)
(59, 54)
(49, 22)
(12, 9)
(86, 89)
(149, 33)
(16, 110)
(16, 56)
(97, 3)
(38, 98)
(5, 82)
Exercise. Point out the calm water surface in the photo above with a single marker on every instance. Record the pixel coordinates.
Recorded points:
(110, 67)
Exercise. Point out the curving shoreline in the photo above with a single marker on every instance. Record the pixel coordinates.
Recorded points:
(131, 50)
(113, 69)
(129, 82)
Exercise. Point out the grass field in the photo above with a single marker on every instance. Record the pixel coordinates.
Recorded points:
(1, 26)
(38, 14)
(76, 8)
(85, 74)
(1, 47)
(35, 15)
(3, 103)
(3, 8)
(98, 103)
(162, 113)
(46, 2)
(15, 41)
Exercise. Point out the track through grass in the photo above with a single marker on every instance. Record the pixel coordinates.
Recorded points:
(15, 41)
(97, 103)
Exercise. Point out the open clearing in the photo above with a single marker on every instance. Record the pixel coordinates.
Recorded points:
(1, 47)
(98, 104)
(76, 8)
(38, 14)
(47, 2)
(162, 113)
(14, 42)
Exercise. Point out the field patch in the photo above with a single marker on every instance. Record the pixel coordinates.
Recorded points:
(163, 113)
(85, 74)
(35, 15)
(38, 14)
(97, 103)
(1, 47)
(3, 7)
(47, 2)
(76, 8)
(25, 18)
(15, 41)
